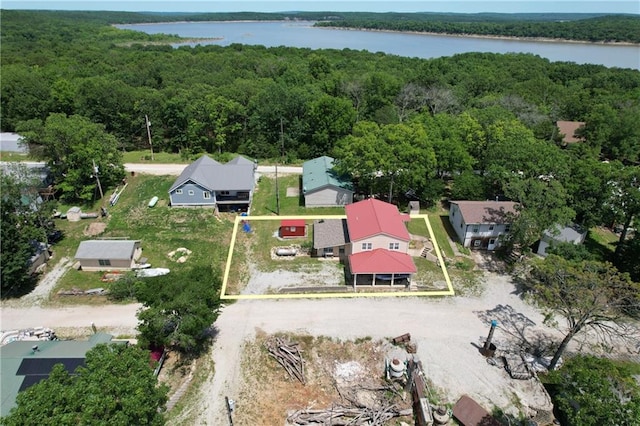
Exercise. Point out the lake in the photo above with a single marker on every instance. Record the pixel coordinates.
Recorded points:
(303, 34)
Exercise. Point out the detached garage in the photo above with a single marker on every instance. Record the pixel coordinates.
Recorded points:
(293, 228)
(108, 255)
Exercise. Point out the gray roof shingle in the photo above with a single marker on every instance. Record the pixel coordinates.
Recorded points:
(236, 175)
(106, 249)
(330, 233)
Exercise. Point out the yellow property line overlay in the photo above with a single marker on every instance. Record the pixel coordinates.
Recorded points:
(239, 219)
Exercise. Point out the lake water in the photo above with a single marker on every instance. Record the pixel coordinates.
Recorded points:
(303, 34)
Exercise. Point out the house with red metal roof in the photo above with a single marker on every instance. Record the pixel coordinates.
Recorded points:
(379, 240)
(481, 224)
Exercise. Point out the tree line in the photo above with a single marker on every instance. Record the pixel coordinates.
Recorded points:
(615, 28)
(471, 126)
(482, 125)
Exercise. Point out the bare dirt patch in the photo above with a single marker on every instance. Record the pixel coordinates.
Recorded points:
(337, 374)
(325, 274)
(94, 228)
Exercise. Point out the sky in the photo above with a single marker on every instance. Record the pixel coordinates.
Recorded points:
(463, 6)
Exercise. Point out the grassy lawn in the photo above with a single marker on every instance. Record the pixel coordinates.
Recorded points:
(439, 224)
(601, 242)
(161, 230)
(158, 157)
(265, 203)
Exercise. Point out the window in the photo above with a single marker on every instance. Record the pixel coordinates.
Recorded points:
(179, 191)
(453, 213)
(490, 227)
(292, 228)
(224, 192)
(191, 192)
(475, 229)
(328, 251)
(366, 246)
(104, 262)
(492, 241)
(507, 228)
(394, 246)
(206, 195)
(476, 243)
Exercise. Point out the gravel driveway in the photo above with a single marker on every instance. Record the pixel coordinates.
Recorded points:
(445, 330)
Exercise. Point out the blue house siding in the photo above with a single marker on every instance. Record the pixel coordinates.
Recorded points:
(192, 195)
(229, 187)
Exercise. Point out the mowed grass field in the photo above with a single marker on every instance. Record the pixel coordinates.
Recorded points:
(160, 229)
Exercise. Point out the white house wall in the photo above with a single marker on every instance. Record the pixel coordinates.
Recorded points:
(379, 241)
(455, 217)
(328, 197)
(467, 233)
(483, 232)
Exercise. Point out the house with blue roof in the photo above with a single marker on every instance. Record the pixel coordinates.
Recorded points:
(322, 186)
(208, 183)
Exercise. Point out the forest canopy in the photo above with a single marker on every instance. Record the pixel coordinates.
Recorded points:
(481, 125)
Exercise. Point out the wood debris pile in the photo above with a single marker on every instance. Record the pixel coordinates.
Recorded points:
(288, 355)
(343, 416)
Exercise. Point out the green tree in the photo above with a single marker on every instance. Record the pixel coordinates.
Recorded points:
(542, 204)
(17, 236)
(468, 186)
(625, 199)
(213, 120)
(388, 156)
(587, 294)
(115, 387)
(585, 185)
(71, 146)
(591, 391)
(26, 222)
(179, 313)
(329, 119)
(628, 259)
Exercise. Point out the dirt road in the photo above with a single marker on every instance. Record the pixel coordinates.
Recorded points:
(445, 329)
(106, 316)
(176, 169)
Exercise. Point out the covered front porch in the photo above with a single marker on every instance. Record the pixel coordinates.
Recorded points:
(381, 267)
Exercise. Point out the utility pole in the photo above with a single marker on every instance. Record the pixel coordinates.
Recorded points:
(95, 172)
(148, 124)
(282, 158)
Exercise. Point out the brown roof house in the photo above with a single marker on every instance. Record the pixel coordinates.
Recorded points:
(108, 255)
(480, 224)
(568, 130)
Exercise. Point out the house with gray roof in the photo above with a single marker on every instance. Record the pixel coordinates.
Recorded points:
(330, 237)
(481, 224)
(208, 183)
(322, 186)
(108, 255)
(24, 363)
(573, 234)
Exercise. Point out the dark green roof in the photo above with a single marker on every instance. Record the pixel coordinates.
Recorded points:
(318, 173)
(13, 354)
